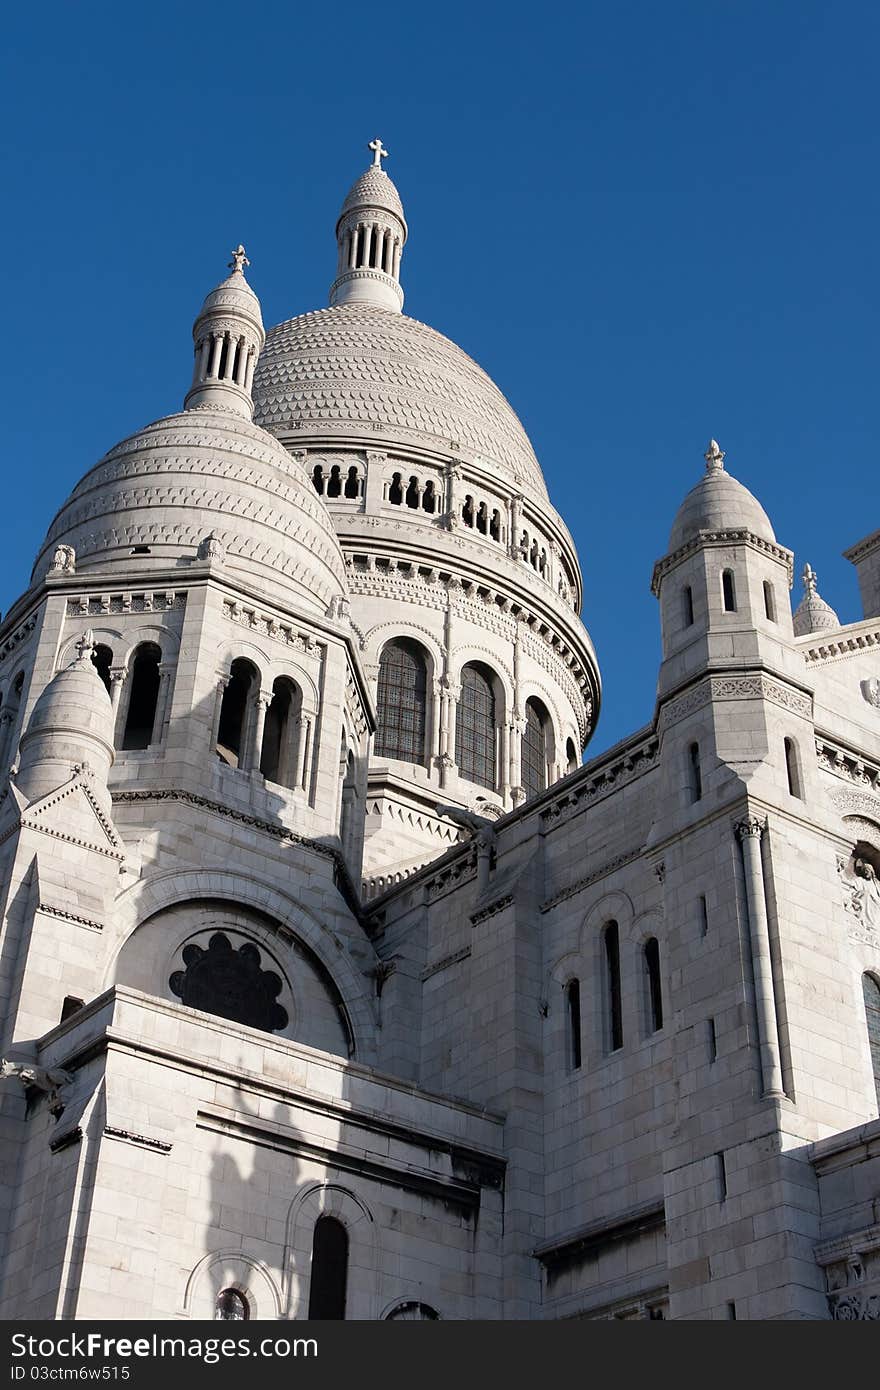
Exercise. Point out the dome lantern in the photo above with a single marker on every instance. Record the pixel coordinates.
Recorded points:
(370, 235)
(228, 335)
(813, 614)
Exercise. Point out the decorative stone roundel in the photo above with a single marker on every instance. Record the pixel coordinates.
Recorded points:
(230, 983)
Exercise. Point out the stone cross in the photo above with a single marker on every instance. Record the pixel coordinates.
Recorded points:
(811, 580)
(239, 259)
(378, 153)
(714, 456)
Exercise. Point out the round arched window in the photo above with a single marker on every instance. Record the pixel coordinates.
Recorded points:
(231, 1306)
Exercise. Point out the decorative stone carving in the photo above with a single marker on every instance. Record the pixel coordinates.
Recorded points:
(211, 548)
(861, 890)
(64, 560)
(871, 691)
(48, 1080)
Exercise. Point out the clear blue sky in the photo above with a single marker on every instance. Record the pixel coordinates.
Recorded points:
(650, 223)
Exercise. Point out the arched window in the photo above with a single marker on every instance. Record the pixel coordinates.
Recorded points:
(413, 1312)
(402, 701)
(329, 1270)
(687, 605)
(871, 991)
(352, 483)
(143, 697)
(395, 491)
(231, 1306)
(792, 769)
(334, 483)
(467, 511)
(655, 989)
(728, 591)
(695, 776)
(613, 1002)
(534, 749)
(347, 817)
(475, 736)
(769, 601)
(234, 712)
(318, 478)
(277, 761)
(102, 660)
(573, 1023)
(572, 761)
(413, 494)
(429, 497)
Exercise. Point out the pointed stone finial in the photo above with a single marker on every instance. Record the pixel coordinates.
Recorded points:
(239, 259)
(813, 614)
(714, 457)
(811, 581)
(378, 153)
(84, 647)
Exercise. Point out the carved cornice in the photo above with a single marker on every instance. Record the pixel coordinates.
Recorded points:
(598, 779)
(445, 963)
(571, 889)
(491, 909)
(67, 916)
(268, 626)
(721, 538)
(757, 686)
(17, 636)
(834, 649)
(93, 605)
(142, 1141)
(849, 766)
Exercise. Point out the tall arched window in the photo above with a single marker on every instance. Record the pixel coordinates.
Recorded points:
(102, 660)
(402, 701)
(654, 987)
(573, 1023)
(475, 726)
(143, 697)
(277, 758)
(231, 1306)
(792, 770)
(234, 712)
(871, 991)
(728, 591)
(695, 775)
(613, 1001)
(329, 1270)
(534, 749)
(769, 601)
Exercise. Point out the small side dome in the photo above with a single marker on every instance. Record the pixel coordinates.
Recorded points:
(813, 614)
(718, 503)
(71, 725)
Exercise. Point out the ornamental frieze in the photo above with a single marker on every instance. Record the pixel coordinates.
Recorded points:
(159, 601)
(756, 686)
(17, 636)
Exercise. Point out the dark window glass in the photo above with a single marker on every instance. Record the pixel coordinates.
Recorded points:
(871, 991)
(573, 1011)
(143, 698)
(612, 981)
(791, 768)
(402, 701)
(231, 1306)
(728, 591)
(475, 727)
(769, 601)
(687, 605)
(695, 776)
(329, 1270)
(534, 750)
(655, 992)
(275, 754)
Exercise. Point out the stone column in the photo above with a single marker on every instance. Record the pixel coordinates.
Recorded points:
(517, 791)
(750, 831)
(352, 247)
(251, 364)
(437, 718)
(397, 254)
(241, 364)
(222, 682)
(215, 354)
(6, 719)
(262, 701)
(514, 513)
(368, 245)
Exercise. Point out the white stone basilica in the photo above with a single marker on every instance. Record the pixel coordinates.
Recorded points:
(333, 984)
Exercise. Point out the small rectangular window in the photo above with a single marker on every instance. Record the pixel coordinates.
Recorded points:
(713, 1041)
(704, 915)
(722, 1176)
(612, 966)
(573, 1020)
(769, 601)
(728, 590)
(687, 605)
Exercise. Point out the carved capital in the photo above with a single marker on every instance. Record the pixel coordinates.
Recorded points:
(750, 827)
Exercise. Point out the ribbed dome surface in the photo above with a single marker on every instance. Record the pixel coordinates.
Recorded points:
(719, 503)
(373, 189)
(359, 368)
(203, 471)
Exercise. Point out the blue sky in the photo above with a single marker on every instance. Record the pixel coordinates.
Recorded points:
(650, 223)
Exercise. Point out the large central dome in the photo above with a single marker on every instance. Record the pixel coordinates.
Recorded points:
(364, 370)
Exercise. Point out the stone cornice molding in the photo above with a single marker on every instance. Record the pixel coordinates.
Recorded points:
(721, 538)
(862, 548)
(598, 779)
(836, 648)
(844, 763)
(570, 890)
(748, 685)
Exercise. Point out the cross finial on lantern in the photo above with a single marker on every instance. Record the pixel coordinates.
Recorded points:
(811, 580)
(239, 259)
(379, 153)
(714, 456)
